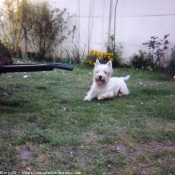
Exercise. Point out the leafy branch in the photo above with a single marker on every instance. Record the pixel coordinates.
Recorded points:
(157, 48)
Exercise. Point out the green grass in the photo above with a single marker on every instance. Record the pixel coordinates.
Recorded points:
(45, 116)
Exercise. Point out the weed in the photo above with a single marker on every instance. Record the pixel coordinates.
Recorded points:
(73, 55)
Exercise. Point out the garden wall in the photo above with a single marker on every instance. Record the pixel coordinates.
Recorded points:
(136, 21)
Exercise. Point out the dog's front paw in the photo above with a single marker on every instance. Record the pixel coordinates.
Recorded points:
(87, 98)
(100, 98)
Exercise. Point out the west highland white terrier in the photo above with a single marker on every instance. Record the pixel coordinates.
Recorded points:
(104, 86)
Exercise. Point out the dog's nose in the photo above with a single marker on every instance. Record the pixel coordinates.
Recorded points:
(100, 77)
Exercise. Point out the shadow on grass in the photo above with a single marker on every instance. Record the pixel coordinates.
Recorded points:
(166, 111)
(153, 91)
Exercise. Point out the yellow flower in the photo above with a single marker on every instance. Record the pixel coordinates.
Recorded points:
(90, 62)
(93, 63)
(101, 53)
(91, 51)
(99, 57)
(5, 40)
(104, 54)
(96, 52)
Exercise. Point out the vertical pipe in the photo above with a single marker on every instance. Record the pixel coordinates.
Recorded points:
(90, 23)
(103, 26)
(110, 18)
(78, 34)
(115, 22)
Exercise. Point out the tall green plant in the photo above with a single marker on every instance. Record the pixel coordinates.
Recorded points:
(13, 14)
(40, 26)
(48, 28)
(116, 50)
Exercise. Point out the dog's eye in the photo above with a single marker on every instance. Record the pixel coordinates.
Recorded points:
(105, 72)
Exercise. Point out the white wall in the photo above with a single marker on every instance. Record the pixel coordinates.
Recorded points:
(136, 21)
(91, 22)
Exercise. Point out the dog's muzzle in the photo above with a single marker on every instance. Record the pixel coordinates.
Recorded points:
(100, 80)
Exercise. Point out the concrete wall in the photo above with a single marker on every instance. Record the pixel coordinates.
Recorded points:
(92, 18)
(136, 21)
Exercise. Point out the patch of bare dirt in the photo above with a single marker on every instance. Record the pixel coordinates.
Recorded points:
(141, 170)
(167, 146)
(121, 148)
(25, 156)
(23, 153)
(155, 148)
(90, 137)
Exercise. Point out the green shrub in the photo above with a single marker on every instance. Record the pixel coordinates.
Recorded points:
(42, 27)
(172, 61)
(47, 26)
(141, 61)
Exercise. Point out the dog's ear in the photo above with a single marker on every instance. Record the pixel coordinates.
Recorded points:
(109, 63)
(97, 62)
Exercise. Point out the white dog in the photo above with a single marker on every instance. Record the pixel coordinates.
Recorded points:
(104, 86)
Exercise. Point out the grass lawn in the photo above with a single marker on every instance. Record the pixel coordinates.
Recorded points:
(45, 126)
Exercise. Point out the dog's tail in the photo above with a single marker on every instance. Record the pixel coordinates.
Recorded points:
(125, 78)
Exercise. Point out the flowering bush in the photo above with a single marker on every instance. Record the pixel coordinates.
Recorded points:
(95, 54)
(114, 53)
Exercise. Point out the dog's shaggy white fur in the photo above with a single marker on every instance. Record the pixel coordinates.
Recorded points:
(104, 86)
